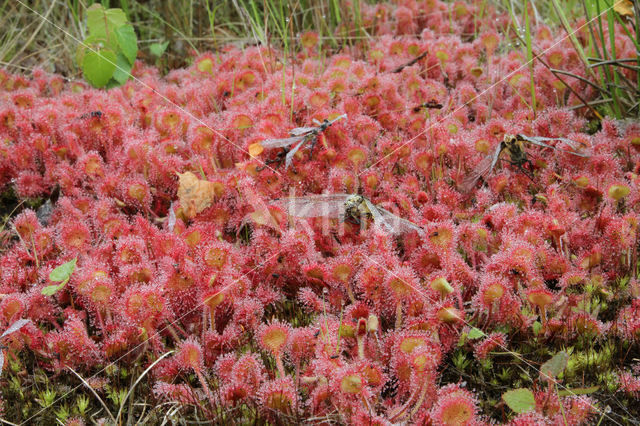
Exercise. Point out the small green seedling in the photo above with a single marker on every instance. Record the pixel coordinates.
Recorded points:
(61, 274)
(12, 329)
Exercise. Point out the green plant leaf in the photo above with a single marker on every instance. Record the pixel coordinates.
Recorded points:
(578, 391)
(64, 271)
(98, 67)
(128, 42)
(102, 22)
(123, 70)
(519, 400)
(50, 290)
(555, 366)
(536, 327)
(476, 333)
(157, 49)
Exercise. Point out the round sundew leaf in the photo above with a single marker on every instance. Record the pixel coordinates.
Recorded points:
(351, 384)
(274, 339)
(64, 271)
(442, 286)
(127, 41)
(408, 344)
(618, 192)
(205, 65)
(242, 121)
(519, 400)
(98, 66)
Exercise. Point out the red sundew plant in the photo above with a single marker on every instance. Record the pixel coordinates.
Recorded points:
(286, 318)
(273, 338)
(455, 406)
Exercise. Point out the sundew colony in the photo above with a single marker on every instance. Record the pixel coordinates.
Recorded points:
(283, 319)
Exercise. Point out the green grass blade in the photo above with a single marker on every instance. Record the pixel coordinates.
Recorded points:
(572, 37)
(612, 44)
(527, 37)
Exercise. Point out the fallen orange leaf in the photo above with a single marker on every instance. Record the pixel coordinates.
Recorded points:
(624, 7)
(194, 194)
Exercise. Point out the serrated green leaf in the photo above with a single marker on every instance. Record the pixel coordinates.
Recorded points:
(128, 42)
(476, 333)
(157, 49)
(555, 366)
(519, 400)
(64, 271)
(122, 72)
(50, 290)
(98, 66)
(102, 22)
(96, 43)
(578, 391)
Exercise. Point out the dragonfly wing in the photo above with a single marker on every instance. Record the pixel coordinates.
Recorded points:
(538, 140)
(340, 117)
(482, 169)
(290, 154)
(301, 131)
(279, 143)
(377, 216)
(394, 224)
(323, 205)
(16, 326)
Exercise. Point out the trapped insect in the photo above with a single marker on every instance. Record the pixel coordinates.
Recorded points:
(514, 146)
(299, 136)
(45, 211)
(353, 208)
(92, 114)
(432, 104)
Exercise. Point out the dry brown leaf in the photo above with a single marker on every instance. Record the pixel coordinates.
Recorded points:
(194, 194)
(624, 7)
(264, 217)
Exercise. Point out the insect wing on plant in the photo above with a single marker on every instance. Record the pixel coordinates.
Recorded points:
(540, 141)
(299, 136)
(15, 327)
(512, 144)
(346, 206)
(12, 329)
(281, 143)
(393, 223)
(482, 169)
(324, 205)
